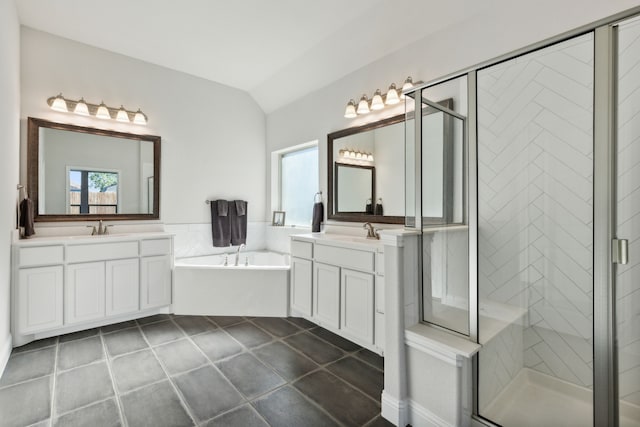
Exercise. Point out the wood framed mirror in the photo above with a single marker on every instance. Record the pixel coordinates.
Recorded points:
(78, 173)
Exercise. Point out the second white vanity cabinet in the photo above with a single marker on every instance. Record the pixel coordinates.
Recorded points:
(345, 293)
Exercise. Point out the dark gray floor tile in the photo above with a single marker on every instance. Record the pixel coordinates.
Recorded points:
(338, 398)
(287, 362)
(217, 345)
(44, 423)
(334, 339)
(244, 416)
(136, 370)
(301, 322)
(79, 352)
(249, 375)
(207, 392)
(318, 350)
(153, 319)
(380, 422)
(224, 321)
(359, 374)
(124, 341)
(102, 414)
(36, 345)
(29, 365)
(13, 403)
(161, 332)
(276, 326)
(371, 358)
(79, 335)
(248, 334)
(82, 386)
(118, 326)
(193, 325)
(156, 405)
(286, 407)
(180, 356)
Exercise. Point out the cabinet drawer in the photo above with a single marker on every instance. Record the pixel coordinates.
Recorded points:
(41, 256)
(301, 249)
(155, 247)
(102, 251)
(351, 258)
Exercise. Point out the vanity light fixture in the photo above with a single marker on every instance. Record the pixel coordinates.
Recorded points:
(376, 101)
(62, 104)
(393, 97)
(350, 111)
(363, 105)
(81, 108)
(348, 155)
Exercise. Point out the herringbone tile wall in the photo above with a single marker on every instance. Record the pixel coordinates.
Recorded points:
(628, 189)
(535, 181)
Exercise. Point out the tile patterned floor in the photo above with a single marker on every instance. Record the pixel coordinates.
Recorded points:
(167, 370)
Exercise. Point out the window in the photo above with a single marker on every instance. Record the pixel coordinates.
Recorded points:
(93, 192)
(297, 169)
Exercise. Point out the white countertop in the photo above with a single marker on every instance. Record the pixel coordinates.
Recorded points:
(341, 240)
(84, 239)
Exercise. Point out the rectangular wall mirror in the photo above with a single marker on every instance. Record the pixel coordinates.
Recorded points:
(78, 173)
(380, 147)
(355, 188)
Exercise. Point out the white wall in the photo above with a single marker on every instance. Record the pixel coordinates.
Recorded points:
(9, 160)
(213, 136)
(498, 30)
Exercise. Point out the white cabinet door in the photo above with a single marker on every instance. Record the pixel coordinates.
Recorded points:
(40, 298)
(301, 281)
(122, 286)
(357, 305)
(327, 294)
(155, 281)
(84, 292)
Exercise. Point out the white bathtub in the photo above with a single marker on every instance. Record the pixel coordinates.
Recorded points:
(258, 286)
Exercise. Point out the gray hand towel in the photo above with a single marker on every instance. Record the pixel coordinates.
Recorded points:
(223, 208)
(26, 217)
(238, 223)
(220, 226)
(318, 216)
(241, 207)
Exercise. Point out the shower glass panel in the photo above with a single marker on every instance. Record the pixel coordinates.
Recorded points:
(445, 241)
(628, 222)
(535, 237)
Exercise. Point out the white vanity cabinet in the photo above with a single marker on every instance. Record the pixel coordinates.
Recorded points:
(345, 293)
(66, 284)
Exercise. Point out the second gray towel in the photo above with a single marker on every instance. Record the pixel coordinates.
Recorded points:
(238, 222)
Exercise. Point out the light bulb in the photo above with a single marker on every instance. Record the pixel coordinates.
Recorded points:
(122, 115)
(81, 108)
(376, 101)
(408, 84)
(103, 111)
(140, 118)
(392, 95)
(350, 111)
(59, 104)
(363, 105)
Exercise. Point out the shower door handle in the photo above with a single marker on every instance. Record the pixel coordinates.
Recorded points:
(620, 251)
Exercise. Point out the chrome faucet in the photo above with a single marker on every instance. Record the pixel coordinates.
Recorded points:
(101, 230)
(241, 247)
(372, 233)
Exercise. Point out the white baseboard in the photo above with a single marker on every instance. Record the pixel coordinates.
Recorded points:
(422, 417)
(394, 410)
(5, 352)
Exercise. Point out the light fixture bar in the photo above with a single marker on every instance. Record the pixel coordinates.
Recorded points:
(101, 111)
(376, 102)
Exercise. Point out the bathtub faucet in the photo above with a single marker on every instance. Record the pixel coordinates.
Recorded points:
(241, 247)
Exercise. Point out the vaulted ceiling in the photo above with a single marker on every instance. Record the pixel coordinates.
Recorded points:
(277, 50)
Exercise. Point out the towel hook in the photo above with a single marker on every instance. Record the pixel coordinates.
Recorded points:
(315, 197)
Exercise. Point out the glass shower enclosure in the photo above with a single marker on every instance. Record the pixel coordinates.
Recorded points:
(535, 254)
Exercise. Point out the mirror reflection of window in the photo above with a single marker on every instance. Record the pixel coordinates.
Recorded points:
(93, 192)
